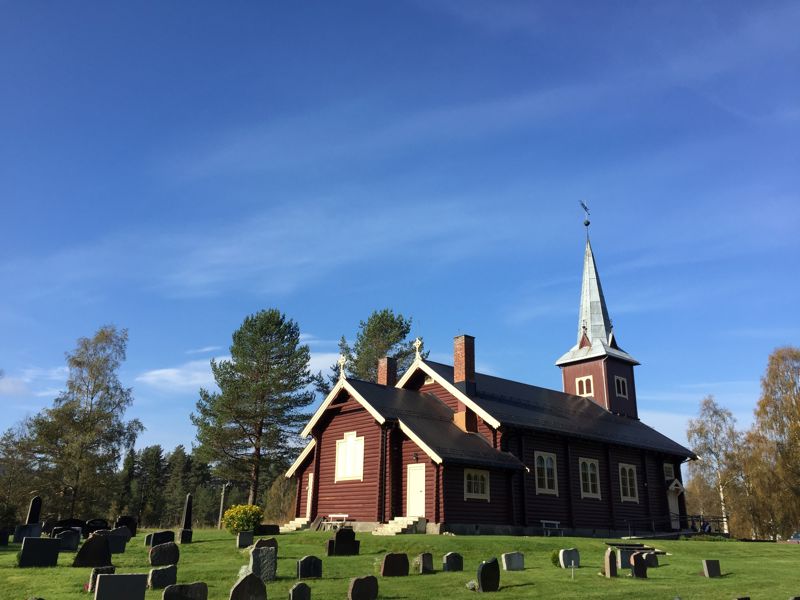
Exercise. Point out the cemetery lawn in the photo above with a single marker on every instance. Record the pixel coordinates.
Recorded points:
(759, 570)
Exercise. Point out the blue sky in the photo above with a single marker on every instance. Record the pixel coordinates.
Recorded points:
(171, 167)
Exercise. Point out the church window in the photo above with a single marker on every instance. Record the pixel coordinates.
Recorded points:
(584, 385)
(350, 457)
(476, 484)
(669, 471)
(622, 386)
(546, 473)
(627, 483)
(590, 478)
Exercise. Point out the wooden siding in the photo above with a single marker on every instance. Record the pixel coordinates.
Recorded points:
(458, 510)
(358, 499)
(408, 448)
(301, 475)
(442, 394)
(618, 404)
(590, 367)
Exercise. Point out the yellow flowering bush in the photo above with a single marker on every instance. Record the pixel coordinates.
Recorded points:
(242, 517)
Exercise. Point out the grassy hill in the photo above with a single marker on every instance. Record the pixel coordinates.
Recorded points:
(761, 571)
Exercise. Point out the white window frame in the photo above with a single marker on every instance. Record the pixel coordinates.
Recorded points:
(479, 478)
(349, 458)
(669, 471)
(584, 380)
(589, 463)
(545, 456)
(621, 386)
(632, 494)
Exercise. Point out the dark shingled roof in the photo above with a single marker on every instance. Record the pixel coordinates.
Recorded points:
(518, 404)
(432, 421)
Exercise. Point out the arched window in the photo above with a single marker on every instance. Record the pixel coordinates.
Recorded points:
(476, 484)
(583, 385)
(590, 478)
(546, 473)
(628, 489)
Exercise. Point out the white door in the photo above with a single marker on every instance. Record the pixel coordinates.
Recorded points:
(309, 494)
(415, 491)
(674, 509)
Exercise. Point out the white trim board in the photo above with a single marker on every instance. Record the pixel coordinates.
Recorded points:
(303, 455)
(423, 446)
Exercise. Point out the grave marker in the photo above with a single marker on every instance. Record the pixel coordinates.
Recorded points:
(394, 565)
(161, 577)
(569, 557)
(488, 578)
(164, 555)
(249, 587)
(309, 567)
(363, 588)
(452, 561)
(95, 552)
(186, 521)
(39, 552)
(34, 510)
(711, 569)
(610, 563)
(109, 570)
(513, 561)
(423, 563)
(121, 587)
(186, 591)
(264, 563)
(300, 591)
(244, 539)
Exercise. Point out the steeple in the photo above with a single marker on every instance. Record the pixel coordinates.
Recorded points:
(596, 367)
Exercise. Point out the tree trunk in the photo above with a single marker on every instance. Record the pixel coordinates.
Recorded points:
(722, 506)
(255, 472)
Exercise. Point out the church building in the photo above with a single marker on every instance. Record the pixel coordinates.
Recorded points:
(445, 448)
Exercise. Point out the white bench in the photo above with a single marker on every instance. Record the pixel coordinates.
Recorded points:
(334, 522)
(550, 527)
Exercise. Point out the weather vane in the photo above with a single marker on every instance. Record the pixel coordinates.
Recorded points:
(586, 210)
(418, 346)
(342, 362)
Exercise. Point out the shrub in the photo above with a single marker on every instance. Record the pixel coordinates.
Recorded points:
(554, 558)
(242, 517)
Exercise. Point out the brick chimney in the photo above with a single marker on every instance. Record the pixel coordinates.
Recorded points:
(464, 363)
(387, 371)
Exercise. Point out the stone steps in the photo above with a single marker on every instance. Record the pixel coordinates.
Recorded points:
(294, 525)
(398, 525)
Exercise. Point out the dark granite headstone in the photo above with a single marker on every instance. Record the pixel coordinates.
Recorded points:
(344, 543)
(610, 563)
(185, 536)
(489, 576)
(624, 554)
(264, 563)
(34, 510)
(652, 559)
(394, 565)
(116, 542)
(452, 561)
(249, 587)
(93, 525)
(123, 531)
(39, 552)
(639, 565)
(48, 525)
(569, 557)
(186, 520)
(423, 563)
(363, 588)
(127, 521)
(330, 548)
(166, 554)
(513, 561)
(309, 567)
(267, 543)
(94, 553)
(34, 530)
(4, 533)
(244, 539)
(69, 539)
(300, 591)
(159, 537)
(130, 586)
(161, 577)
(711, 568)
(109, 570)
(267, 529)
(186, 591)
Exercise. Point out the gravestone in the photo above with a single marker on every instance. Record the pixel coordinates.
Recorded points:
(56, 530)
(131, 586)
(244, 539)
(264, 563)
(569, 557)
(161, 577)
(94, 553)
(309, 567)
(4, 533)
(116, 542)
(363, 588)
(610, 563)
(267, 529)
(394, 564)
(249, 587)
(39, 552)
(711, 568)
(624, 554)
(122, 531)
(488, 576)
(652, 559)
(127, 521)
(109, 570)
(34, 530)
(452, 561)
(513, 561)
(344, 543)
(300, 591)
(34, 510)
(93, 525)
(164, 555)
(639, 565)
(48, 525)
(267, 543)
(69, 540)
(186, 521)
(186, 591)
(159, 537)
(423, 563)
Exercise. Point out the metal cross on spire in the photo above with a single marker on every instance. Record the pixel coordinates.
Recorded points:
(586, 221)
(342, 362)
(418, 346)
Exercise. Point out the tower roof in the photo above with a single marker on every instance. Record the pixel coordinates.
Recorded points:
(595, 332)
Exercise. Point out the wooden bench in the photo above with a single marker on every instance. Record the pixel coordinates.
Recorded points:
(335, 521)
(550, 527)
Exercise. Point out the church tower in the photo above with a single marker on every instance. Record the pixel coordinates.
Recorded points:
(596, 367)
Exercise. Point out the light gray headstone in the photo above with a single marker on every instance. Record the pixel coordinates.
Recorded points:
(121, 587)
(569, 557)
(513, 561)
(264, 563)
(423, 563)
(610, 563)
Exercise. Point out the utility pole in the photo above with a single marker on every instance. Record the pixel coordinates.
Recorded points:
(225, 487)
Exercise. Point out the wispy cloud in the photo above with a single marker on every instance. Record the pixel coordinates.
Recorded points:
(204, 350)
(494, 16)
(34, 382)
(187, 377)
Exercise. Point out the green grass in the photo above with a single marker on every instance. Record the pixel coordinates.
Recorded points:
(761, 571)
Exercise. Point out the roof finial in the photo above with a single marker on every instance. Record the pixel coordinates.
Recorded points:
(418, 347)
(586, 221)
(342, 362)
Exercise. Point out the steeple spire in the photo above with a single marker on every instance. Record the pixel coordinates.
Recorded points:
(593, 319)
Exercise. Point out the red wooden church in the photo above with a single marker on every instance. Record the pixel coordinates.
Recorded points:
(444, 448)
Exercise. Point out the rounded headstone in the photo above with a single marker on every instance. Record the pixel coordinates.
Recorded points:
(363, 588)
(489, 576)
(186, 591)
(95, 552)
(165, 554)
(249, 587)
